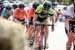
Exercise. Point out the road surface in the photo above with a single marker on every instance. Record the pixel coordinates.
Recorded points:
(57, 39)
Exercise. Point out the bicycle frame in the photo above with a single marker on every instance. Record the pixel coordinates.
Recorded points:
(42, 37)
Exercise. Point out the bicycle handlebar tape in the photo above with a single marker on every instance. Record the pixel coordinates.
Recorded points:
(12, 36)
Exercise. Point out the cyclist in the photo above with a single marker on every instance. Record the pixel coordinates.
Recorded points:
(20, 14)
(59, 12)
(70, 13)
(14, 6)
(7, 12)
(31, 14)
(42, 13)
(63, 14)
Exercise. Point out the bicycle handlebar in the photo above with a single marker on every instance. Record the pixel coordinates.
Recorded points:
(43, 24)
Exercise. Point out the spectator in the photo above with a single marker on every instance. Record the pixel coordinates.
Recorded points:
(12, 36)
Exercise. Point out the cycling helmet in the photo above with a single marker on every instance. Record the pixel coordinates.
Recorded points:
(47, 5)
(8, 7)
(14, 6)
(21, 5)
(35, 5)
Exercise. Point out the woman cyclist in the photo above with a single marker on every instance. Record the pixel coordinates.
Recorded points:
(69, 23)
(42, 13)
(31, 14)
(7, 12)
(20, 14)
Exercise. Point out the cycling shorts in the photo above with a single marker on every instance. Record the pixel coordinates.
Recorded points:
(23, 21)
(72, 26)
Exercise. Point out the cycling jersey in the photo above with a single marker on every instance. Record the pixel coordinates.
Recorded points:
(70, 11)
(31, 13)
(20, 15)
(4, 13)
(40, 9)
(41, 17)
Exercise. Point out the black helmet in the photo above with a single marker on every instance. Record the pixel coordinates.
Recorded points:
(14, 6)
(21, 5)
(35, 5)
(8, 7)
(47, 5)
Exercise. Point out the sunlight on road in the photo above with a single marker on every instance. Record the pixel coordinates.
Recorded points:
(57, 39)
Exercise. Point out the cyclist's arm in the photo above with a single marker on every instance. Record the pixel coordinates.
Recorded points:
(15, 13)
(51, 14)
(34, 19)
(52, 19)
(31, 13)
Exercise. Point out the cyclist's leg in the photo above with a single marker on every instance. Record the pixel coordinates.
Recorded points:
(29, 31)
(36, 33)
(69, 42)
(46, 34)
(56, 19)
(46, 31)
(29, 28)
(73, 31)
(73, 41)
(70, 36)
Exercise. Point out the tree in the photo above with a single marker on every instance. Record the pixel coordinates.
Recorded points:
(1, 0)
(66, 1)
(52, 0)
(71, 1)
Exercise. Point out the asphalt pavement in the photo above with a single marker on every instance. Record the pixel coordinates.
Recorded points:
(57, 39)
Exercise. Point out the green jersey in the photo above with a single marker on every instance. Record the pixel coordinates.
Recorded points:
(41, 16)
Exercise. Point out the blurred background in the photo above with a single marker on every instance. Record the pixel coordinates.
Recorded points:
(29, 2)
(53, 1)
